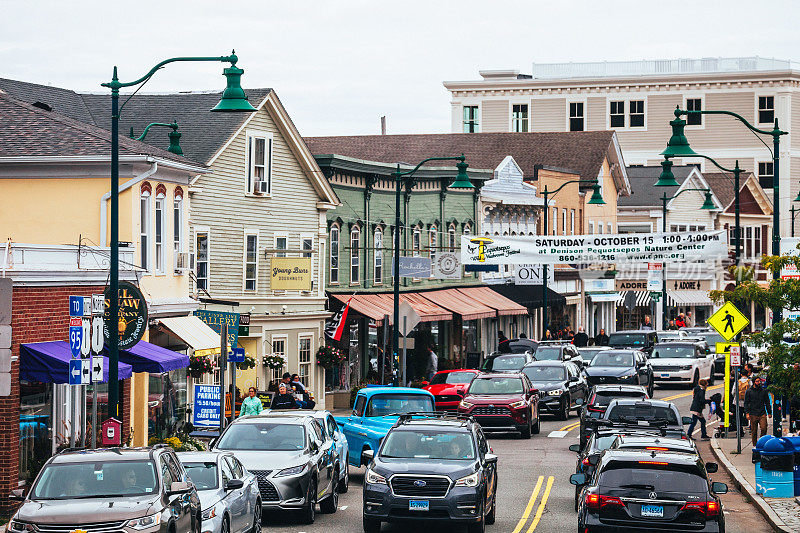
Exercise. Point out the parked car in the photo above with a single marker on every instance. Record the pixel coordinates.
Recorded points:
(642, 340)
(522, 345)
(561, 386)
(558, 351)
(599, 398)
(503, 402)
(449, 386)
(587, 353)
(693, 330)
(654, 491)
(682, 362)
(289, 456)
(128, 490)
(506, 362)
(620, 366)
(431, 469)
(376, 409)
(229, 495)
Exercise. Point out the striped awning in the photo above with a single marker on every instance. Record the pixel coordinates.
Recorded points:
(641, 298)
(678, 298)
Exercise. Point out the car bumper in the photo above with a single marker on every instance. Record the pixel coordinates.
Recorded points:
(686, 376)
(626, 526)
(447, 406)
(501, 422)
(611, 380)
(719, 365)
(551, 404)
(461, 505)
(287, 492)
(212, 525)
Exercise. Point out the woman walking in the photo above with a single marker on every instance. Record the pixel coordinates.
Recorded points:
(251, 405)
(698, 404)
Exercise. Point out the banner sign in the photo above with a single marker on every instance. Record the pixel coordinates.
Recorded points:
(215, 319)
(290, 273)
(532, 275)
(132, 319)
(446, 265)
(205, 410)
(414, 267)
(572, 249)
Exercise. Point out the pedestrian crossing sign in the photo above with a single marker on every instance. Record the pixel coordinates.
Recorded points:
(728, 321)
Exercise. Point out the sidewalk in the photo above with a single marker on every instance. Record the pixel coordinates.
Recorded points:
(782, 513)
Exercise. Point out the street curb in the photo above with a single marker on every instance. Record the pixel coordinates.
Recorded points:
(746, 488)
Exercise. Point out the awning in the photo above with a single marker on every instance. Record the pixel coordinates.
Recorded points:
(468, 307)
(146, 357)
(637, 298)
(490, 298)
(194, 332)
(48, 362)
(427, 310)
(688, 298)
(529, 296)
(604, 296)
(376, 306)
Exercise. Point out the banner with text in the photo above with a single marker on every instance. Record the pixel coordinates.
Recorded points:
(572, 249)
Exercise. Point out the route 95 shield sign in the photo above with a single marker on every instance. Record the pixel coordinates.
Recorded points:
(132, 321)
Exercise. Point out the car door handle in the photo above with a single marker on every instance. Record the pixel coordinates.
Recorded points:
(361, 433)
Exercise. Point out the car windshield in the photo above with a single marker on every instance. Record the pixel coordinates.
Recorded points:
(203, 475)
(548, 353)
(610, 358)
(95, 480)
(627, 339)
(496, 386)
(263, 436)
(680, 351)
(424, 444)
(545, 373)
(452, 377)
(646, 412)
(641, 475)
(587, 354)
(505, 362)
(398, 404)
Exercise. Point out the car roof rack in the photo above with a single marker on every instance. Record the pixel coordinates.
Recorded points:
(405, 417)
(659, 425)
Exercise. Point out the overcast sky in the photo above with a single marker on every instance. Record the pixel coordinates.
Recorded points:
(339, 65)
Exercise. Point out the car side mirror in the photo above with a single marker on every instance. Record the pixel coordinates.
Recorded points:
(575, 448)
(719, 488)
(578, 479)
(491, 458)
(712, 468)
(179, 487)
(17, 495)
(367, 456)
(533, 392)
(573, 379)
(234, 484)
(594, 459)
(335, 437)
(686, 420)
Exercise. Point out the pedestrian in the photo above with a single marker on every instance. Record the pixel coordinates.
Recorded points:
(581, 339)
(672, 325)
(689, 319)
(251, 405)
(680, 322)
(646, 324)
(601, 339)
(285, 399)
(523, 335)
(757, 408)
(503, 344)
(547, 335)
(300, 389)
(698, 404)
(433, 361)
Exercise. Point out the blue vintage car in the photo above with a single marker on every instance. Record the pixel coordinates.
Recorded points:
(376, 409)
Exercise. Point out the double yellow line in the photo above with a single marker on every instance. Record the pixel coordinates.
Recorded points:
(685, 394)
(532, 502)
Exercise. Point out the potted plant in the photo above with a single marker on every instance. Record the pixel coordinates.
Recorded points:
(249, 362)
(199, 365)
(275, 362)
(328, 356)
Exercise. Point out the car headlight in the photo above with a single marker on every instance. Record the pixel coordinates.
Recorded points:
(465, 405)
(471, 480)
(210, 513)
(145, 521)
(628, 377)
(556, 392)
(291, 471)
(517, 405)
(16, 525)
(686, 367)
(375, 479)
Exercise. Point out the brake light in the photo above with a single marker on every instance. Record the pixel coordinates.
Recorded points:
(596, 409)
(586, 462)
(709, 508)
(598, 501)
(659, 463)
(657, 448)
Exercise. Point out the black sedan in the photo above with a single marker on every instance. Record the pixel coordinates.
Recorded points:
(620, 366)
(560, 384)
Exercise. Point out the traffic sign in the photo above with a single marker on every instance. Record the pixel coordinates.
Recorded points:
(655, 295)
(728, 321)
(86, 371)
(725, 347)
(98, 304)
(75, 339)
(736, 355)
(85, 338)
(237, 356)
(97, 334)
(75, 371)
(97, 369)
(76, 306)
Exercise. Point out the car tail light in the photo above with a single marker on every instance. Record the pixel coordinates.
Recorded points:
(709, 508)
(657, 463)
(586, 462)
(596, 409)
(657, 448)
(596, 502)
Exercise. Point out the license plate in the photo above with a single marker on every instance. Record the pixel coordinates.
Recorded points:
(664, 376)
(419, 505)
(654, 511)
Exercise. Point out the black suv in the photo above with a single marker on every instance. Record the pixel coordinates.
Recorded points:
(436, 468)
(645, 414)
(561, 386)
(662, 491)
(634, 339)
(599, 398)
(125, 490)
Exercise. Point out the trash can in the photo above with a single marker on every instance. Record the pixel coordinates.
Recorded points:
(777, 468)
(757, 460)
(796, 445)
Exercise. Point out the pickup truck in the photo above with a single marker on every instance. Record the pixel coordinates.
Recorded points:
(375, 411)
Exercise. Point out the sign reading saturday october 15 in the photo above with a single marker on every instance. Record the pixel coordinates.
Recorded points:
(620, 248)
(290, 273)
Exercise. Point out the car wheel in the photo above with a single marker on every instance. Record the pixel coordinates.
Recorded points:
(198, 523)
(256, 518)
(309, 511)
(371, 525)
(563, 413)
(577, 495)
(651, 388)
(330, 504)
(344, 483)
(480, 525)
(536, 427)
(525, 432)
(492, 516)
(225, 527)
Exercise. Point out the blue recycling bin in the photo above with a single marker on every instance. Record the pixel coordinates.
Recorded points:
(757, 460)
(777, 468)
(796, 445)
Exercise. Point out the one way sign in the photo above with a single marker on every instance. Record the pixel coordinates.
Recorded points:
(79, 371)
(97, 369)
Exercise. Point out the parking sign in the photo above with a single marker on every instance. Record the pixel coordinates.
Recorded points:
(736, 355)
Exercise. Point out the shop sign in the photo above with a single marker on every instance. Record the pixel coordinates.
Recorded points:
(290, 273)
(631, 285)
(266, 398)
(215, 319)
(572, 249)
(132, 321)
(446, 265)
(414, 267)
(532, 275)
(789, 247)
(205, 410)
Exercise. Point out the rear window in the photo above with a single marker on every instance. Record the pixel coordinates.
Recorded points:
(649, 413)
(653, 477)
(604, 398)
(627, 339)
(506, 362)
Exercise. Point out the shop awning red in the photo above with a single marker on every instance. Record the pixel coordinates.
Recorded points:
(459, 303)
(376, 306)
(427, 310)
(490, 298)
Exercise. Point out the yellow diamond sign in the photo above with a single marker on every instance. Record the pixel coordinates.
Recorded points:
(728, 321)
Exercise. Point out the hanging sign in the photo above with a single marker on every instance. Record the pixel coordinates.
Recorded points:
(132, 321)
(414, 267)
(572, 249)
(446, 265)
(290, 273)
(215, 319)
(532, 275)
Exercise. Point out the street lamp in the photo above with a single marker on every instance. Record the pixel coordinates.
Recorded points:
(406, 178)
(596, 199)
(233, 100)
(708, 205)
(174, 136)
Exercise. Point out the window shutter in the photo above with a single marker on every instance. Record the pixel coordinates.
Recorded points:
(764, 240)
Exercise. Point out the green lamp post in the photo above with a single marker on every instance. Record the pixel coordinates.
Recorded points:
(174, 136)
(233, 100)
(794, 211)
(406, 179)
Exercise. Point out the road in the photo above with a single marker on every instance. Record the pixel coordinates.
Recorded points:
(534, 490)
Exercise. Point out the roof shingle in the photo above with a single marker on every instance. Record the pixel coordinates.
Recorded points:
(643, 193)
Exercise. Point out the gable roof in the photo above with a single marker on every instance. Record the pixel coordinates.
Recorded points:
(749, 193)
(643, 193)
(583, 152)
(64, 101)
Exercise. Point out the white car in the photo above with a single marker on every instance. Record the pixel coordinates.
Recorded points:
(681, 362)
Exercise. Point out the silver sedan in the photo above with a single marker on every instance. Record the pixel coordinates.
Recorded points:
(229, 495)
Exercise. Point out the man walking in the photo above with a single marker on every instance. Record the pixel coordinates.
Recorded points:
(756, 408)
(698, 404)
(601, 339)
(433, 362)
(581, 339)
(503, 344)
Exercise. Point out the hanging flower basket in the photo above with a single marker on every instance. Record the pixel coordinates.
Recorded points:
(249, 362)
(328, 356)
(275, 362)
(199, 365)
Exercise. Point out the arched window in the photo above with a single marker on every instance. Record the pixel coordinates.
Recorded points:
(355, 254)
(177, 226)
(451, 238)
(161, 193)
(144, 225)
(334, 263)
(378, 259)
(416, 239)
(432, 240)
(467, 229)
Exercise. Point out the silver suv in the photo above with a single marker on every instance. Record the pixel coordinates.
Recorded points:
(118, 490)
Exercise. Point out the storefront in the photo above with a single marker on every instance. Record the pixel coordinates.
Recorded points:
(686, 296)
(634, 304)
(531, 299)
(601, 303)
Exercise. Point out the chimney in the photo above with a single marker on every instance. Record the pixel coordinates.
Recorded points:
(383, 125)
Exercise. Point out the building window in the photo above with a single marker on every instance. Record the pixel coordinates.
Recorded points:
(748, 241)
(563, 222)
(591, 227)
(378, 260)
(281, 243)
(519, 118)
(610, 228)
(159, 233)
(334, 254)
(617, 114)
(599, 228)
(259, 165)
(201, 260)
(279, 349)
(756, 241)
(766, 109)
(694, 104)
(451, 238)
(467, 230)
(144, 237)
(572, 222)
(765, 174)
(307, 245)
(250, 261)
(636, 108)
(576, 116)
(416, 239)
(177, 228)
(355, 254)
(555, 220)
(304, 359)
(470, 119)
(432, 240)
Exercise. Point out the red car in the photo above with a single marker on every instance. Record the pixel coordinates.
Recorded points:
(503, 402)
(449, 386)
